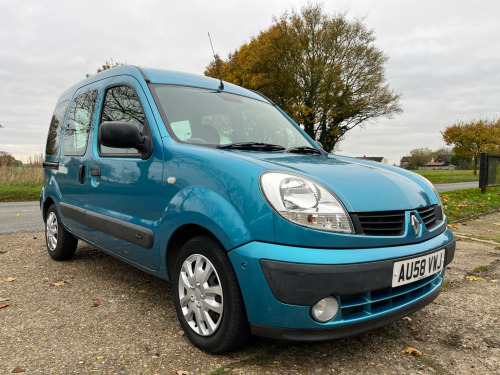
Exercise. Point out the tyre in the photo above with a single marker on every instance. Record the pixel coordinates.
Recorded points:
(61, 245)
(207, 297)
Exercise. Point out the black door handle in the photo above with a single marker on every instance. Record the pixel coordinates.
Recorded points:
(81, 174)
(95, 171)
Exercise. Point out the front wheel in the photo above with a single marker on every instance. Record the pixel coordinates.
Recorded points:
(61, 245)
(207, 297)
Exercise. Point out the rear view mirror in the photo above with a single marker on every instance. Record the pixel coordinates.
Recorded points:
(120, 134)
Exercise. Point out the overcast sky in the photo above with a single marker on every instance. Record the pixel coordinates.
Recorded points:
(444, 57)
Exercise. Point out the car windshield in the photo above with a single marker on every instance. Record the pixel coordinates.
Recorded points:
(213, 118)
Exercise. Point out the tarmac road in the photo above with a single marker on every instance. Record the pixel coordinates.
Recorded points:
(20, 217)
(456, 186)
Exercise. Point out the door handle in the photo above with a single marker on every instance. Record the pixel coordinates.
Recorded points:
(95, 171)
(81, 174)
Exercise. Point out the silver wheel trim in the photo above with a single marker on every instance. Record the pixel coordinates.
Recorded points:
(200, 295)
(52, 227)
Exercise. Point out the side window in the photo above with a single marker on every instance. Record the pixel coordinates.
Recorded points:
(79, 121)
(122, 104)
(55, 129)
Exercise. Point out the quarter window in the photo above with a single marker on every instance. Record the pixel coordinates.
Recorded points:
(55, 129)
(79, 121)
(122, 104)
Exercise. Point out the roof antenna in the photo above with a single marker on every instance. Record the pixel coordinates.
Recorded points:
(221, 86)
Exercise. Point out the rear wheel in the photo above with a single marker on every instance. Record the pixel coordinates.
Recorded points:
(207, 297)
(61, 245)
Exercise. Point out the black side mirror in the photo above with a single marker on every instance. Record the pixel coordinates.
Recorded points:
(118, 134)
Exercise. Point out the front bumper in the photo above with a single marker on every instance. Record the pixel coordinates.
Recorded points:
(280, 284)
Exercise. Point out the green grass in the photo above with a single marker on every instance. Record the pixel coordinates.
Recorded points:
(480, 269)
(448, 176)
(20, 192)
(446, 285)
(469, 203)
(20, 183)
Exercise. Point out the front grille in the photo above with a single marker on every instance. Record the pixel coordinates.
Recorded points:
(428, 215)
(391, 223)
(380, 223)
(379, 301)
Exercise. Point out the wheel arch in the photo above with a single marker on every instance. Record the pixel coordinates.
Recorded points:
(179, 238)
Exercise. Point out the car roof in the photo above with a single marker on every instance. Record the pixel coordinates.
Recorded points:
(160, 76)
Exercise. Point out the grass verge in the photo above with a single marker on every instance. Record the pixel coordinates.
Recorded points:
(20, 192)
(447, 176)
(20, 183)
(469, 203)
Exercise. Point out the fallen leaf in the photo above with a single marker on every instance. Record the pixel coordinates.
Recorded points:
(474, 278)
(9, 279)
(95, 302)
(181, 333)
(18, 369)
(4, 299)
(412, 351)
(494, 281)
(5, 305)
(416, 331)
(58, 284)
(143, 291)
(99, 358)
(407, 318)
(180, 372)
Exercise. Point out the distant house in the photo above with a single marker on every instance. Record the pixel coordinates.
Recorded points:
(405, 160)
(445, 160)
(379, 159)
(441, 162)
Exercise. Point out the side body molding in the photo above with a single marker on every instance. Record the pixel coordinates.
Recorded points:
(129, 232)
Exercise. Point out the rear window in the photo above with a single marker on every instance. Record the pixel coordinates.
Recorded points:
(55, 129)
(79, 121)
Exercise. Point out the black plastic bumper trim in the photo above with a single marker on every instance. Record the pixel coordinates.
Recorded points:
(129, 232)
(322, 334)
(305, 284)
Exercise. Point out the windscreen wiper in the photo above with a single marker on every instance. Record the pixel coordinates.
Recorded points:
(304, 150)
(254, 146)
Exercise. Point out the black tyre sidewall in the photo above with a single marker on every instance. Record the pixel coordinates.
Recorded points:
(66, 243)
(233, 331)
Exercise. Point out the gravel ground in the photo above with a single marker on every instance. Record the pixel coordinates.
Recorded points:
(95, 314)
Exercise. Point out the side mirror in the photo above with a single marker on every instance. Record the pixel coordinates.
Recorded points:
(118, 134)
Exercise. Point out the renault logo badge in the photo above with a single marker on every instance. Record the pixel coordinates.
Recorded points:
(415, 224)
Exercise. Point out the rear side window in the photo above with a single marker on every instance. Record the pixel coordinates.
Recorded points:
(79, 121)
(55, 129)
(122, 104)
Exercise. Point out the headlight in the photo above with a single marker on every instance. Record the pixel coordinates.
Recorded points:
(438, 196)
(304, 202)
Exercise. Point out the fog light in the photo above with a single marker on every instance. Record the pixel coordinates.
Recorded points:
(325, 309)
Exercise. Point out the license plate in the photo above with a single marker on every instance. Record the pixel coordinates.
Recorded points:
(410, 270)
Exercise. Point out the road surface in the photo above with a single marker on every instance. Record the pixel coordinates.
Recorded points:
(20, 217)
(456, 186)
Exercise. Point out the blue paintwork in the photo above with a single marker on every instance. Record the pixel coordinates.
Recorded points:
(263, 308)
(219, 191)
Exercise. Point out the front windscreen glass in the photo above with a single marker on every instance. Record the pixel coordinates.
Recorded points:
(206, 117)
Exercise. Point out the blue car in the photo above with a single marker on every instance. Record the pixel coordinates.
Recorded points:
(214, 188)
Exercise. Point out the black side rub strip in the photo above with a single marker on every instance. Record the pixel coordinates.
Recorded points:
(129, 232)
